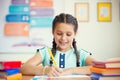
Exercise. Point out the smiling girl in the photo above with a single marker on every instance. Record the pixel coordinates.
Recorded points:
(70, 60)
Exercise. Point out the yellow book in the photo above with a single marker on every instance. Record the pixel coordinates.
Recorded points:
(17, 76)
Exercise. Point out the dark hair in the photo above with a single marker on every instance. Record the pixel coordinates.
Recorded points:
(68, 19)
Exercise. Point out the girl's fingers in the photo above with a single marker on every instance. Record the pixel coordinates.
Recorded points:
(54, 71)
(58, 69)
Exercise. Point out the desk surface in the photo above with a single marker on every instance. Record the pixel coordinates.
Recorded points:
(80, 78)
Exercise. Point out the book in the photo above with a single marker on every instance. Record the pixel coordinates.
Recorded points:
(17, 76)
(19, 9)
(67, 77)
(106, 71)
(100, 77)
(9, 72)
(41, 3)
(18, 2)
(45, 12)
(41, 22)
(107, 64)
(4, 65)
(17, 18)
(16, 29)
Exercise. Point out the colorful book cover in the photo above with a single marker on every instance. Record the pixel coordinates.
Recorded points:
(16, 29)
(17, 18)
(16, 2)
(4, 65)
(19, 9)
(107, 64)
(9, 72)
(41, 22)
(17, 76)
(106, 71)
(41, 3)
(42, 12)
(95, 76)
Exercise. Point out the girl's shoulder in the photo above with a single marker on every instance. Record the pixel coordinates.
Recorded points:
(45, 48)
(83, 51)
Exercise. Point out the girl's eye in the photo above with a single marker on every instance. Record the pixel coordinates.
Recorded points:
(68, 34)
(59, 33)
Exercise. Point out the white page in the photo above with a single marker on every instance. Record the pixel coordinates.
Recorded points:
(66, 76)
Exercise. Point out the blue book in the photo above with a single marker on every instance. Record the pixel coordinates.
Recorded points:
(9, 72)
(95, 76)
(17, 18)
(41, 22)
(19, 9)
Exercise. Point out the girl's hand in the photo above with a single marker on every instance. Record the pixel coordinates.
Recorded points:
(53, 71)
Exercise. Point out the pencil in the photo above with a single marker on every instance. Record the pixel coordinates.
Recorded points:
(51, 55)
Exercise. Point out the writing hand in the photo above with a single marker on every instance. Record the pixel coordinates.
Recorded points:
(53, 71)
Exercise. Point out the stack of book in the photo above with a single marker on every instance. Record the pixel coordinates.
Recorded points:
(41, 13)
(105, 70)
(17, 19)
(10, 70)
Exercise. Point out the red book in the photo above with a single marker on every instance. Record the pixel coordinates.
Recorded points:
(106, 64)
(4, 65)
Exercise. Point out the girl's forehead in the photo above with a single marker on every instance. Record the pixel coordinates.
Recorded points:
(64, 26)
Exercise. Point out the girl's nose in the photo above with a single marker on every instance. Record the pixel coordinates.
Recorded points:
(63, 37)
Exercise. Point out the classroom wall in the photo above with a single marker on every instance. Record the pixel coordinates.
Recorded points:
(100, 38)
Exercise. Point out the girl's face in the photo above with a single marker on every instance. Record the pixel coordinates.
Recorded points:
(64, 35)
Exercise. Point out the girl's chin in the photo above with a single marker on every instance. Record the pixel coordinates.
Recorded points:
(63, 47)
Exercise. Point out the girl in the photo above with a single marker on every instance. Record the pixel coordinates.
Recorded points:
(70, 60)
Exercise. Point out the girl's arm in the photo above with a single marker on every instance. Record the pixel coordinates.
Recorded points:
(31, 66)
(80, 70)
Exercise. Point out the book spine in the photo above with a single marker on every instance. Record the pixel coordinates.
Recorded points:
(9, 72)
(99, 65)
(92, 78)
(41, 22)
(42, 12)
(17, 18)
(95, 76)
(10, 64)
(97, 70)
(40, 4)
(17, 76)
(16, 29)
(16, 2)
(12, 71)
(19, 9)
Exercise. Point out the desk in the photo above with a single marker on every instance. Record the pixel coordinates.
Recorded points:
(30, 77)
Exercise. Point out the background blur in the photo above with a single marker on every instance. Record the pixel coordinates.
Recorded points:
(102, 39)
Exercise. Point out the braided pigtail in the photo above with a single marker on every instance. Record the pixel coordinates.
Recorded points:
(53, 51)
(76, 52)
(54, 48)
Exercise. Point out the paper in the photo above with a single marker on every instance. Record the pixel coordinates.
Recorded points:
(66, 76)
